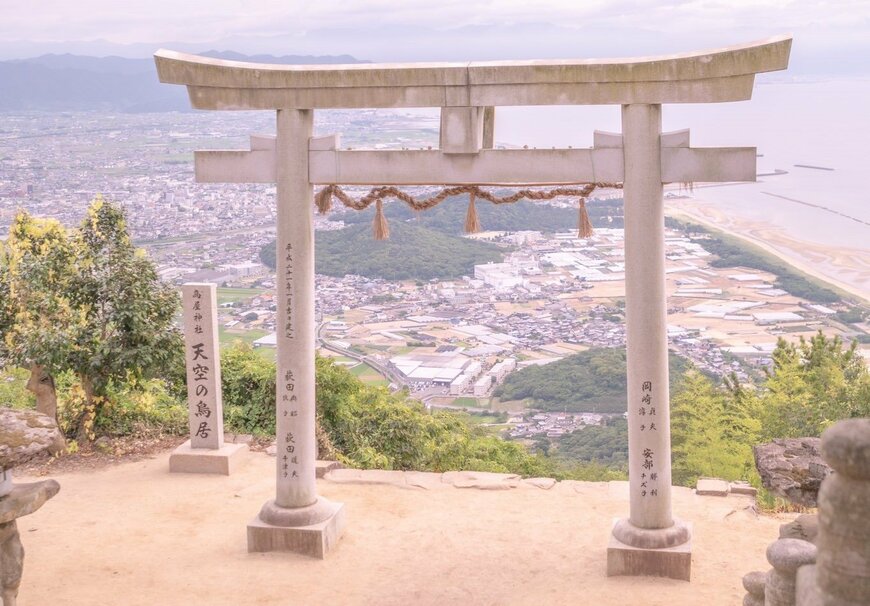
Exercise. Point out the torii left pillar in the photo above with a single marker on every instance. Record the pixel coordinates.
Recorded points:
(297, 519)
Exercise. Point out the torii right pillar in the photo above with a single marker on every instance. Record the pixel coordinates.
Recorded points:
(650, 541)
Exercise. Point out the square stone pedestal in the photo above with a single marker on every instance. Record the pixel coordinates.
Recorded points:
(670, 562)
(315, 541)
(224, 460)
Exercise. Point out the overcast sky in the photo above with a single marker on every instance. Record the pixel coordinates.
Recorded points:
(827, 34)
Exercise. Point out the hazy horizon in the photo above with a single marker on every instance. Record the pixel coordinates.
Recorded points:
(830, 38)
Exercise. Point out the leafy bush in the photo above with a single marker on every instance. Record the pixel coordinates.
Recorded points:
(248, 384)
(368, 427)
(13, 390)
(131, 408)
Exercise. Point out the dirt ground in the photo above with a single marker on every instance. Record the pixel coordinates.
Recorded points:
(133, 534)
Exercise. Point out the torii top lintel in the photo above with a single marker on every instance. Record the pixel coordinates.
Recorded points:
(725, 74)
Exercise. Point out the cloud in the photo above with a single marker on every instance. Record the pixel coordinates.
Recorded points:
(442, 29)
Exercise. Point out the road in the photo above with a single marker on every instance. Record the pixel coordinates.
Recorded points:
(390, 375)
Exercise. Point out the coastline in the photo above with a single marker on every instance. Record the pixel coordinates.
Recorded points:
(808, 258)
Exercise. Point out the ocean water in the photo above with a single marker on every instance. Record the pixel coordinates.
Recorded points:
(823, 123)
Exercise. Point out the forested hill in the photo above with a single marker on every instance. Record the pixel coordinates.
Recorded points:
(590, 381)
(449, 216)
(411, 253)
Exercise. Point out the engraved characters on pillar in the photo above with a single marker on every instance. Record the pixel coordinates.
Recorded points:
(203, 366)
(646, 417)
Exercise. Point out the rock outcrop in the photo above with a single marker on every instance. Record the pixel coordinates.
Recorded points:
(792, 468)
(24, 434)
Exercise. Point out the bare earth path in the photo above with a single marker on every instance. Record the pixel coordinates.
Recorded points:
(135, 535)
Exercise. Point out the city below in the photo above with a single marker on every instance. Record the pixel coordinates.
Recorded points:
(450, 342)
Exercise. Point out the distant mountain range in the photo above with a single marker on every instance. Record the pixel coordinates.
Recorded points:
(75, 82)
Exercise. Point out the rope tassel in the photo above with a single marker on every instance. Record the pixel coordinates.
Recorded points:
(472, 223)
(584, 226)
(379, 227)
(323, 200)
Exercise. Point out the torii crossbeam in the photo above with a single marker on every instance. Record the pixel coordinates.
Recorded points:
(650, 541)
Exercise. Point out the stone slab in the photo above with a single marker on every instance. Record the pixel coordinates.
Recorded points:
(744, 488)
(222, 461)
(481, 480)
(542, 483)
(315, 541)
(427, 480)
(712, 487)
(367, 476)
(670, 562)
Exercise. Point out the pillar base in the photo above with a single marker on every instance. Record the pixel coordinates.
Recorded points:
(671, 562)
(313, 540)
(222, 461)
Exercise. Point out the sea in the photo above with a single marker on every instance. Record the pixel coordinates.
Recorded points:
(812, 137)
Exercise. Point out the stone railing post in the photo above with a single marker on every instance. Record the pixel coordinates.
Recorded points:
(786, 556)
(754, 583)
(842, 571)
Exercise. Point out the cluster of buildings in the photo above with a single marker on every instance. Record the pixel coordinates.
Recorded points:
(552, 295)
(553, 424)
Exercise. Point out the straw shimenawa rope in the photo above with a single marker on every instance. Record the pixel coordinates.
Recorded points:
(323, 200)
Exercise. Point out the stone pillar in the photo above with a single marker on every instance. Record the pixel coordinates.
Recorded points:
(24, 434)
(205, 451)
(786, 556)
(202, 358)
(297, 519)
(649, 542)
(843, 564)
(296, 445)
(754, 583)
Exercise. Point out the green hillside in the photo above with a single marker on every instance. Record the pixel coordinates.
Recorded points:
(411, 253)
(590, 381)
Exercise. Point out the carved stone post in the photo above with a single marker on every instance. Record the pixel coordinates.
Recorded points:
(205, 451)
(649, 542)
(297, 519)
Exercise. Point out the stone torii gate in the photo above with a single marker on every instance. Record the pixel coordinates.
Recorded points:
(650, 541)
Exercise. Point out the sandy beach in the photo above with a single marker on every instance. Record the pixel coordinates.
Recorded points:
(134, 534)
(844, 267)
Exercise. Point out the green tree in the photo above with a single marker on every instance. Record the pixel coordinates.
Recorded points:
(38, 317)
(709, 437)
(812, 385)
(126, 331)
(85, 301)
